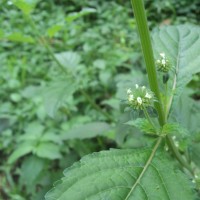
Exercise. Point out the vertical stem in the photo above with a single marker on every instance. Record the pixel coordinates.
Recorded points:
(140, 16)
(141, 20)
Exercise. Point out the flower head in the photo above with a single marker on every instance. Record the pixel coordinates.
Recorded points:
(129, 91)
(147, 95)
(163, 63)
(140, 97)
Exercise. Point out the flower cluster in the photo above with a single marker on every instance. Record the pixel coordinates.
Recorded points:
(163, 63)
(140, 97)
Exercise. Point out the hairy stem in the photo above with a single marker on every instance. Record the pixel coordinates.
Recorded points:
(141, 20)
(140, 16)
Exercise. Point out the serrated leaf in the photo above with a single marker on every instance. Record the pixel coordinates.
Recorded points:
(122, 175)
(143, 125)
(57, 94)
(181, 44)
(174, 128)
(88, 130)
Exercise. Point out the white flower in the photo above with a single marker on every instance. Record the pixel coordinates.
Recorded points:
(163, 62)
(158, 61)
(139, 100)
(143, 87)
(162, 55)
(136, 86)
(147, 95)
(130, 97)
(129, 91)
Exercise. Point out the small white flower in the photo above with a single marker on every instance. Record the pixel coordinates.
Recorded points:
(136, 86)
(147, 95)
(130, 97)
(139, 100)
(163, 62)
(158, 61)
(143, 87)
(162, 55)
(176, 144)
(174, 137)
(129, 91)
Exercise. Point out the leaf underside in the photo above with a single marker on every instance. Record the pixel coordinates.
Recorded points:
(111, 175)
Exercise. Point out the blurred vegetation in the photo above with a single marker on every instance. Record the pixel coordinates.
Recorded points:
(52, 113)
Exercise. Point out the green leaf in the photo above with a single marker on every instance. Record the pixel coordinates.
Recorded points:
(123, 175)
(54, 29)
(143, 125)
(57, 94)
(88, 130)
(47, 150)
(69, 59)
(174, 128)
(30, 170)
(181, 44)
(19, 37)
(22, 150)
(75, 15)
(26, 6)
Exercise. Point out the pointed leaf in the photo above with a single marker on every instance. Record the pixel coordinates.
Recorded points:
(181, 44)
(122, 175)
(88, 130)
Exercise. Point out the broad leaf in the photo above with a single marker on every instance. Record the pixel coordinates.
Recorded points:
(122, 175)
(57, 95)
(88, 130)
(181, 44)
(69, 59)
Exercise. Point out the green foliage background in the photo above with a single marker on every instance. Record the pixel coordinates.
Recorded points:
(46, 121)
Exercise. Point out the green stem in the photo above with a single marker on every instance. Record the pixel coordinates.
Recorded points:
(140, 16)
(141, 21)
(148, 117)
(63, 69)
(177, 154)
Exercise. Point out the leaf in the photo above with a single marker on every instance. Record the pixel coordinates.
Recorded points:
(75, 15)
(22, 150)
(26, 6)
(54, 29)
(19, 37)
(122, 175)
(30, 170)
(181, 44)
(143, 125)
(47, 150)
(57, 94)
(88, 130)
(69, 59)
(174, 128)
